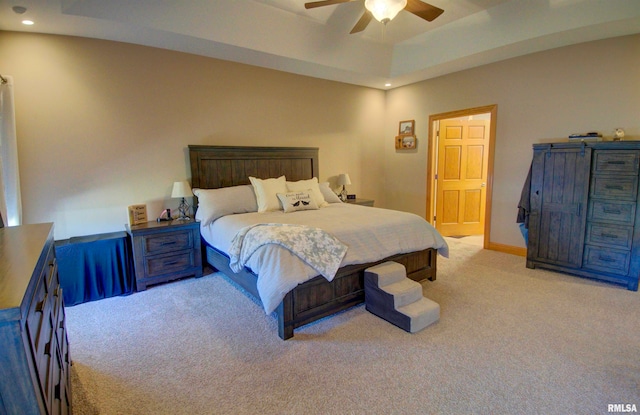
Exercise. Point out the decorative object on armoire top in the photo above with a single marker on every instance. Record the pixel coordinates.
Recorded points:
(182, 190)
(618, 134)
(590, 136)
(343, 180)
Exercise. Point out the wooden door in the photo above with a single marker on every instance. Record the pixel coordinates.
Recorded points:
(559, 195)
(463, 156)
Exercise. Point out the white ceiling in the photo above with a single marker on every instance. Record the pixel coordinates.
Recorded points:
(283, 35)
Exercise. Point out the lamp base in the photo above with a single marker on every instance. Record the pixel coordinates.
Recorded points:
(343, 194)
(184, 211)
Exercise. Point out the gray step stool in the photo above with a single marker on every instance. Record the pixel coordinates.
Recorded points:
(390, 295)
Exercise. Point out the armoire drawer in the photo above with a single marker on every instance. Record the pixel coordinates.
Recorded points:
(619, 187)
(615, 261)
(609, 235)
(616, 162)
(612, 211)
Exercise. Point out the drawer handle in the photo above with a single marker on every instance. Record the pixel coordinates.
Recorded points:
(616, 162)
(609, 235)
(614, 187)
(168, 243)
(606, 259)
(612, 211)
(170, 263)
(40, 305)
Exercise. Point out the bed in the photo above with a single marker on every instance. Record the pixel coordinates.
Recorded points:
(218, 167)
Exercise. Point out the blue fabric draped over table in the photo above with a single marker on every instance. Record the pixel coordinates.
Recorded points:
(95, 267)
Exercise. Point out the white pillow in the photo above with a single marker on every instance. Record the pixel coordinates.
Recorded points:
(294, 201)
(329, 195)
(215, 203)
(266, 190)
(310, 184)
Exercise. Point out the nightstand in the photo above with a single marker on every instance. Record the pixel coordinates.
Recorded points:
(164, 251)
(362, 202)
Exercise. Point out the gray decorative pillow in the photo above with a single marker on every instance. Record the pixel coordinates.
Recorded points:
(215, 203)
(295, 201)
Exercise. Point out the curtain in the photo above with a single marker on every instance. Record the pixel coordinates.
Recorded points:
(10, 199)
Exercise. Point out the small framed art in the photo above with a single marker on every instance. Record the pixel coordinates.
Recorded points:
(406, 127)
(406, 142)
(137, 214)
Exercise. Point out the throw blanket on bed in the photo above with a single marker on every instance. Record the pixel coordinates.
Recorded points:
(317, 248)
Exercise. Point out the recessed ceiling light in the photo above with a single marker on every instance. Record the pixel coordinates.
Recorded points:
(387, 84)
(27, 22)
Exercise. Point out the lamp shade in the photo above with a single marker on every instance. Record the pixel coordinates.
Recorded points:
(343, 179)
(181, 189)
(384, 10)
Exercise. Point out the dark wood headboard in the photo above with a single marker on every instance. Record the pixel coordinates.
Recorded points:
(220, 166)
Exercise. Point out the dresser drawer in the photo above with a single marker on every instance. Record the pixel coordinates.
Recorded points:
(169, 263)
(40, 318)
(611, 211)
(610, 235)
(621, 187)
(168, 242)
(609, 260)
(616, 162)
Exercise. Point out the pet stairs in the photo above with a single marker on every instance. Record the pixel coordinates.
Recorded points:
(390, 295)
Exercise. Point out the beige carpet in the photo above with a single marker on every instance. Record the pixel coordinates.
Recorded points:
(509, 341)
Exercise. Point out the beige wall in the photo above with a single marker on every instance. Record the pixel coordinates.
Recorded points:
(103, 125)
(593, 86)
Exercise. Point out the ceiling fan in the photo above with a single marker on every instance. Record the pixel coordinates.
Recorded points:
(384, 10)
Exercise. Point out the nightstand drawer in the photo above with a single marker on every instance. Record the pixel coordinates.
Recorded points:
(168, 242)
(169, 263)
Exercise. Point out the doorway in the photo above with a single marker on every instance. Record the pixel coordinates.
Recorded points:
(460, 172)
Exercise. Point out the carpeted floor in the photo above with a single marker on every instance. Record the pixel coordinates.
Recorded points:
(509, 341)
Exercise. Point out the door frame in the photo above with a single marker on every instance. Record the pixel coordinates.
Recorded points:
(432, 167)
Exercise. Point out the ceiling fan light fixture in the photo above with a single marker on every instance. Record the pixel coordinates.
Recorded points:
(384, 10)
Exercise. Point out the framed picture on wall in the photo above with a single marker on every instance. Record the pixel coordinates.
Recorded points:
(406, 142)
(406, 127)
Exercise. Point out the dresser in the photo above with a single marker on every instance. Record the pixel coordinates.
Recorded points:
(164, 251)
(584, 217)
(34, 349)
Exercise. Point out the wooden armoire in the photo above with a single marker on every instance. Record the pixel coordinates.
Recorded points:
(584, 217)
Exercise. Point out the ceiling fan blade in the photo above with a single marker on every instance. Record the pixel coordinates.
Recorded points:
(423, 10)
(362, 23)
(315, 4)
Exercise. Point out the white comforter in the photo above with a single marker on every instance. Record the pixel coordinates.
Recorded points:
(369, 233)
